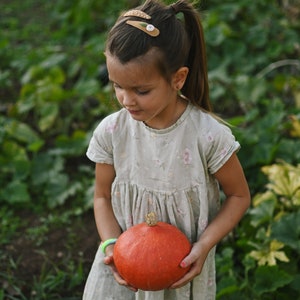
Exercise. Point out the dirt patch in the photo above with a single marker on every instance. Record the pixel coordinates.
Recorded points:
(64, 248)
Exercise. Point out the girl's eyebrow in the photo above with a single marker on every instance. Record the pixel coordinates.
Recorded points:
(145, 86)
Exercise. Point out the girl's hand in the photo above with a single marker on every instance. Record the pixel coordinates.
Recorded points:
(108, 260)
(196, 260)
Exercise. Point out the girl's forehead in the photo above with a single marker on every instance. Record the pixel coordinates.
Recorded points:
(138, 70)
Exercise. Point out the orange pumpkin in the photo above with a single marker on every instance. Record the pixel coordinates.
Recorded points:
(148, 255)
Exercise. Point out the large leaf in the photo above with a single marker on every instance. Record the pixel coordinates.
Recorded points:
(59, 189)
(284, 179)
(263, 212)
(44, 167)
(15, 192)
(287, 230)
(74, 145)
(269, 279)
(21, 132)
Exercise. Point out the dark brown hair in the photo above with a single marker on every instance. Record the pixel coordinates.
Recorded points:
(180, 43)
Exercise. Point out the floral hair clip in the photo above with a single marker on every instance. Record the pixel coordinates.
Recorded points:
(146, 27)
(137, 13)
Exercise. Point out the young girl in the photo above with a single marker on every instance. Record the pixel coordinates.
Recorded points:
(163, 151)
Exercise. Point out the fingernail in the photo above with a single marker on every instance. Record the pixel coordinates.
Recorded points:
(183, 264)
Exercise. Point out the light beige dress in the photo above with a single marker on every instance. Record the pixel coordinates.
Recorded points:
(169, 171)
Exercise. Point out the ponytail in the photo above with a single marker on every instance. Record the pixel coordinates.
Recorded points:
(196, 86)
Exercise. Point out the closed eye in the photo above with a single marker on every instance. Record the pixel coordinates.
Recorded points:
(115, 85)
(142, 92)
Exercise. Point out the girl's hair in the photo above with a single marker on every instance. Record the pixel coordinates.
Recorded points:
(179, 43)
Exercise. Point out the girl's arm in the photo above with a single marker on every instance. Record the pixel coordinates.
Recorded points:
(106, 222)
(232, 179)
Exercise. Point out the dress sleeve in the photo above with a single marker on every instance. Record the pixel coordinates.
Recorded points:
(100, 149)
(221, 144)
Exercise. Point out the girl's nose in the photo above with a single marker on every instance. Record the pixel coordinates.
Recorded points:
(128, 99)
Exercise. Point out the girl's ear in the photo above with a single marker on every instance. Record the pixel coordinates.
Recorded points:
(179, 78)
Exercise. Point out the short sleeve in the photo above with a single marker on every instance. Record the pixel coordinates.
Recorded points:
(100, 149)
(221, 145)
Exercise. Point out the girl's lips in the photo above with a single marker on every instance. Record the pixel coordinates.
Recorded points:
(134, 112)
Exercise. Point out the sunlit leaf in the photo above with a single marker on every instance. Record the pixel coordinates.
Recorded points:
(295, 122)
(284, 181)
(22, 132)
(269, 255)
(33, 73)
(285, 178)
(48, 115)
(53, 60)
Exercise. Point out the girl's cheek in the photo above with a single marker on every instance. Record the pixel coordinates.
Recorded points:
(119, 97)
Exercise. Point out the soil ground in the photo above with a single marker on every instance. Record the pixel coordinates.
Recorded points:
(56, 249)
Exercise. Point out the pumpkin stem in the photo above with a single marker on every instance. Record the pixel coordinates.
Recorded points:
(151, 219)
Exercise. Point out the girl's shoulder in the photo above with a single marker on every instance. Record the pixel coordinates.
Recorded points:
(114, 121)
(116, 116)
(206, 119)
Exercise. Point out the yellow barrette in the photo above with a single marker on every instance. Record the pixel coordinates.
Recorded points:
(146, 27)
(137, 13)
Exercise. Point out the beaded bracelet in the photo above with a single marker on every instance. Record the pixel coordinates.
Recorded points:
(105, 244)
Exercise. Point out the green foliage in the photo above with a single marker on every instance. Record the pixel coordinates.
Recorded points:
(41, 136)
(246, 47)
(269, 239)
(53, 93)
(253, 51)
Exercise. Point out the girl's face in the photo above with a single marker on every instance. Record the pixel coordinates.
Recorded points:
(144, 92)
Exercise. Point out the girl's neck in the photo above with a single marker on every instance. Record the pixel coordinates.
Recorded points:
(177, 110)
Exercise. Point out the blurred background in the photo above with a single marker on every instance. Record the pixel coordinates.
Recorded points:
(54, 91)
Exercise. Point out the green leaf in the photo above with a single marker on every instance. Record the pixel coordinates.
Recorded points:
(59, 189)
(74, 145)
(22, 132)
(269, 279)
(287, 230)
(45, 166)
(262, 213)
(48, 115)
(87, 88)
(33, 73)
(56, 189)
(15, 192)
(295, 283)
(53, 60)
(14, 160)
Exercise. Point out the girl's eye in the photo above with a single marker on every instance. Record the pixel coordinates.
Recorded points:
(142, 92)
(116, 86)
